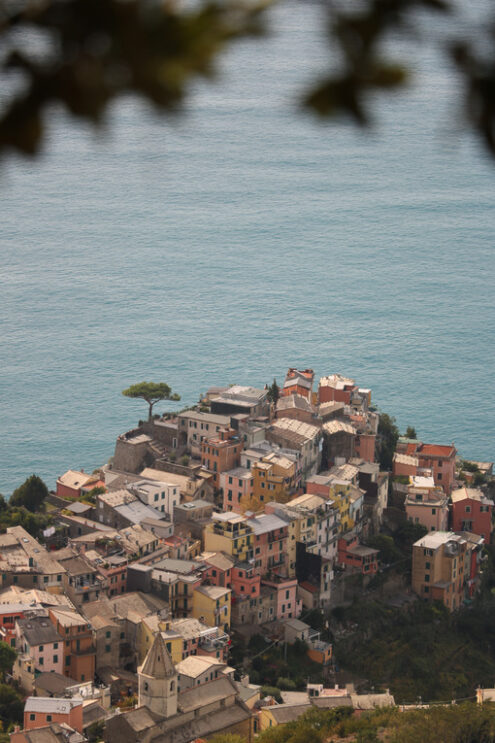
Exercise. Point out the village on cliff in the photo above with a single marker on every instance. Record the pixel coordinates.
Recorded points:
(247, 515)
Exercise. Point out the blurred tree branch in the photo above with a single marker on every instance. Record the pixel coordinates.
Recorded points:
(99, 50)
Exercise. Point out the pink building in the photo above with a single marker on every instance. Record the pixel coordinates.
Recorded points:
(439, 459)
(218, 568)
(246, 581)
(405, 465)
(235, 484)
(270, 534)
(427, 504)
(38, 639)
(353, 554)
(287, 605)
(472, 511)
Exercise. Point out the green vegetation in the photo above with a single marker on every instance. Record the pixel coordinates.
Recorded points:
(34, 523)
(411, 433)
(7, 658)
(31, 494)
(151, 392)
(274, 664)
(422, 651)
(463, 723)
(273, 393)
(184, 460)
(388, 435)
(11, 706)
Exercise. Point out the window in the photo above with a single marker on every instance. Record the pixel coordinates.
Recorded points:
(468, 509)
(107, 633)
(41, 661)
(32, 716)
(55, 658)
(427, 578)
(287, 594)
(67, 660)
(439, 475)
(41, 648)
(45, 579)
(107, 648)
(427, 565)
(48, 718)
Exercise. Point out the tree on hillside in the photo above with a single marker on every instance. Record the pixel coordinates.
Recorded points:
(101, 50)
(31, 494)
(273, 393)
(388, 435)
(152, 392)
(7, 658)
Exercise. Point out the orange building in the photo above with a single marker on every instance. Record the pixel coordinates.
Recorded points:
(79, 647)
(221, 453)
(40, 712)
(439, 459)
(336, 388)
(298, 383)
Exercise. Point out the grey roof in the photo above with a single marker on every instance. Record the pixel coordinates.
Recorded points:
(265, 523)
(288, 712)
(39, 631)
(53, 682)
(183, 567)
(136, 511)
(52, 705)
(199, 696)
(158, 662)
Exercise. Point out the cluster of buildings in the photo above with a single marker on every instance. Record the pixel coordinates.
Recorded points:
(239, 514)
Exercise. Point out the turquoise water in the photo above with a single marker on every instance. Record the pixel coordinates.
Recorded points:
(243, 238)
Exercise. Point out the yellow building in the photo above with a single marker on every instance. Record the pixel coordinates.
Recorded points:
(341, 493)
(229, 533)
(274, 478)
(211, 605)
(148, 628)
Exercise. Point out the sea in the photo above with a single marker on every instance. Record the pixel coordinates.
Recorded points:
(244, 236)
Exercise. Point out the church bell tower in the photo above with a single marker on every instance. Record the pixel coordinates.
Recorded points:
(158, 680)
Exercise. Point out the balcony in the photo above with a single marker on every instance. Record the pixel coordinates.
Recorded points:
(210, 644)
(91, 650)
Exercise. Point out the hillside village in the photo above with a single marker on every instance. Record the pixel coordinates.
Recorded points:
(212, 534)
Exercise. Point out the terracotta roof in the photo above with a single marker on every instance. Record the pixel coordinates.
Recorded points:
(434, 450)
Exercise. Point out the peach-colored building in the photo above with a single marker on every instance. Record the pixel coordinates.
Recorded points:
(38, 639)
(221, 453)
(235, 484)
(270, 534)
(287, 606)
(442, 567)
(42, 711)
(79, 650)
(427, 504)
(364, 446)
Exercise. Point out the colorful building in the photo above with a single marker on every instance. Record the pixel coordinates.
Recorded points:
(472, 511)
(235, 484)
(221, 453)
(443, 568)
(229, 533)
(270, 534)
(353, 554)
(211, 605)
(79, 647)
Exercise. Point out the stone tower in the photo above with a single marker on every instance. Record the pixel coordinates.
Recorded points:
(158, 680)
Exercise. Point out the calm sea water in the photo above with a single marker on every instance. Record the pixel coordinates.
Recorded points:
(243, 238)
